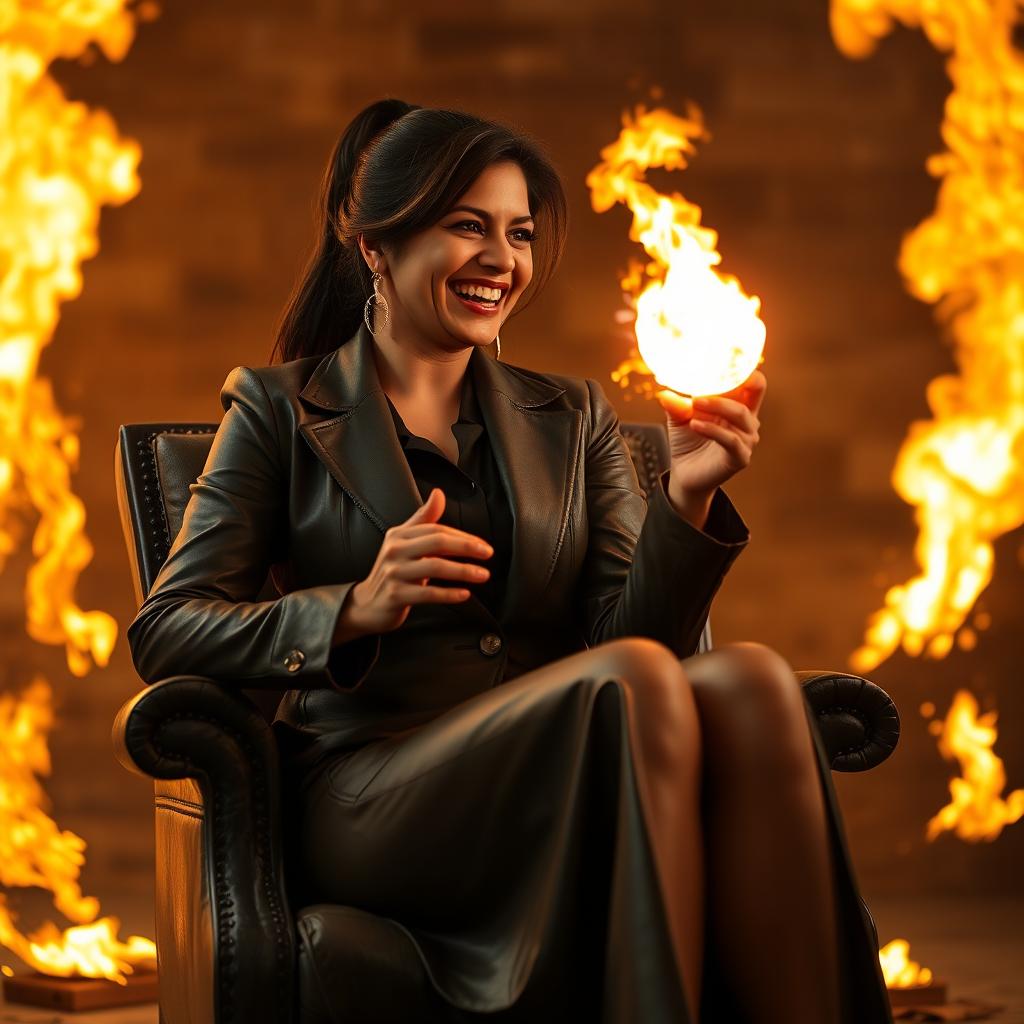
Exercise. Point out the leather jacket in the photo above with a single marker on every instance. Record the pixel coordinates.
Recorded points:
(304, 476)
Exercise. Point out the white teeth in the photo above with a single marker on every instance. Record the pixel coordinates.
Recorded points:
(477, 291)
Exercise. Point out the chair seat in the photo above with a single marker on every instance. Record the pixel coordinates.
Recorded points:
(356, 966)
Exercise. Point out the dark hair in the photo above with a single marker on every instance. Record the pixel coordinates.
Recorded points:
(396, 170)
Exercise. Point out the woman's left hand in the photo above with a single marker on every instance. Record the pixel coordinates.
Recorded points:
(712, 438)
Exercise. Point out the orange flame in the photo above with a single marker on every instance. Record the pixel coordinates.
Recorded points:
(697, 332)
(977, 810)
(962, 470)
(90, 950)
(898, 969)
(33, 852)
(59, 162)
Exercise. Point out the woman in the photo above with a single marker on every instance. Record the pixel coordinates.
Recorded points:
(499, 734)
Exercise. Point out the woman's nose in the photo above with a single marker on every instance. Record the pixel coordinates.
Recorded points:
(499, 255)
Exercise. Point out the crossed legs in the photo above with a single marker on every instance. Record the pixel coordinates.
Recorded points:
(739, 824)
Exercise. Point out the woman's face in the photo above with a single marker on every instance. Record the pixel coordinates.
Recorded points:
(484, 239)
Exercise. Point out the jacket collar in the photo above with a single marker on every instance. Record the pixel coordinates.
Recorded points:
(536, 450)
(348, 375)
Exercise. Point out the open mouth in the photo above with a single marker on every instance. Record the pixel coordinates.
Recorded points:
(480, 300)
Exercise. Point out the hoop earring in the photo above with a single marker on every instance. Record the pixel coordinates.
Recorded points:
(497, 341)
(376, 298)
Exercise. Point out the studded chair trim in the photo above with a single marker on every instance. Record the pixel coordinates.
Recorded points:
(145, 526)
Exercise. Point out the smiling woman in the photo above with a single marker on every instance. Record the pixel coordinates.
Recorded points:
(434, 198)
(504, 750)
(484, 263)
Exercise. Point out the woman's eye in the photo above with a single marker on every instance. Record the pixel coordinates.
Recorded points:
(524, 233)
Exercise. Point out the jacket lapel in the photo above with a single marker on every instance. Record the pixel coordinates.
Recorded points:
(536, 451)
(359, 446)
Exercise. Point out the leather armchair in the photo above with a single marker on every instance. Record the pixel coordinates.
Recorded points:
(233, 945)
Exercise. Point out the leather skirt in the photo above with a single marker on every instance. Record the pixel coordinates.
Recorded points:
(507, 839)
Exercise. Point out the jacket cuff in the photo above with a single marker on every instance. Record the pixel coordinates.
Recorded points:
(724, 528)
(349, 664)
(303, 649)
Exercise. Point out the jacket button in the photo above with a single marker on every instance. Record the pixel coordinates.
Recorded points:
(294, 660)
(490, 644)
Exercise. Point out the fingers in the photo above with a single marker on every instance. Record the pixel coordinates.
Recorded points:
(728, 409)
(728, 438)
(752, 391)
(422, 534)
(440, 568)
(729, 422)
(679, 407)
(411, 593)
(431, 510)
(441, 540)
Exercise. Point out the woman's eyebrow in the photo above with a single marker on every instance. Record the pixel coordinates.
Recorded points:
(486, 216)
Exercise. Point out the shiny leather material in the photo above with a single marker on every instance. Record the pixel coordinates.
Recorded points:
(225, 926)
(304, 476)
(857, 721)
(355, 966)
(554, 870)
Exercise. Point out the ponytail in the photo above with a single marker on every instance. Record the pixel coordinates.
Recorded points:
(326, 305)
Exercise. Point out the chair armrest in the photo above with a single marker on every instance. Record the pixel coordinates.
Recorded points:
(857, 720)
(191, 727)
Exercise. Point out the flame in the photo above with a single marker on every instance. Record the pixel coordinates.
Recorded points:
(90, 950)
(898, 969)
(33, 852)
(961, 470)
(977, 810)
(59, 162)
(697, 332)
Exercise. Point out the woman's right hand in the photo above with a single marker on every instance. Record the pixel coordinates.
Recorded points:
(409, 558)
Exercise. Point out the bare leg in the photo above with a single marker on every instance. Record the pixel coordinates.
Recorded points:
(771, 900)
(669, 776)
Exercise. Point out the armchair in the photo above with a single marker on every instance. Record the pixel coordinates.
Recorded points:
(232, 946)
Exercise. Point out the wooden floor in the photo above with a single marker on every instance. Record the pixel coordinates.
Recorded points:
(10, 1014)
(977, 947)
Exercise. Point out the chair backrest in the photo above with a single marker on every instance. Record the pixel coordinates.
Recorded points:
(155, 463)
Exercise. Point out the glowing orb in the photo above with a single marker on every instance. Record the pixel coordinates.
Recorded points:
(698, 333)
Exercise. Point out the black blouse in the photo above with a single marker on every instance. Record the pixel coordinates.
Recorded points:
(475, 498)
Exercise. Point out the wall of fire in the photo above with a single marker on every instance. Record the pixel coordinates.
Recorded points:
(813, 174)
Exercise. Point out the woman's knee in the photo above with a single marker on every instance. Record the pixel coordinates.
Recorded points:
(738, 669)
(749, 693)
(664, 709)
(654, 677)
(647, 665)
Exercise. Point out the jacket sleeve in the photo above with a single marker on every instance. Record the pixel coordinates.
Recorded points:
(648, 571)
(201, 615)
